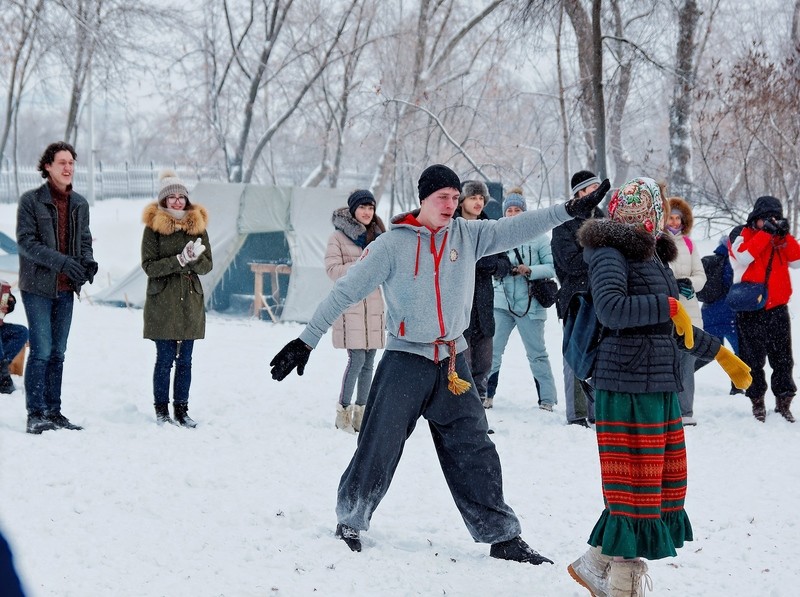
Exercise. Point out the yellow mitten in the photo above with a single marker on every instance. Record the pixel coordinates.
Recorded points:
(736, 368)
(682, 321)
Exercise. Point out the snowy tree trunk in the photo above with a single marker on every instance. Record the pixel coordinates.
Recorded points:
(680, 112)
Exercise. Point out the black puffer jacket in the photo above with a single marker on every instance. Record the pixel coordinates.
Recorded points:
(571, 269)
(630, 283)
(482, 315)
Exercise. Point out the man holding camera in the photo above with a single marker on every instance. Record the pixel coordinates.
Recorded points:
(762, 251)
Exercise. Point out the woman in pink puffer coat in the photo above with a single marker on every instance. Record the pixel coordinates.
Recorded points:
(360, 329)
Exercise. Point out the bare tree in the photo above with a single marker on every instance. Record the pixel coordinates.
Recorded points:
(22, 22)
(433, 47)
(98, 35)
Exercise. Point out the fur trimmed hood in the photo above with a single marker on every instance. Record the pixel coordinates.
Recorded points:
(634, 243)
(352, 228)
(160, 220)
(686, 213)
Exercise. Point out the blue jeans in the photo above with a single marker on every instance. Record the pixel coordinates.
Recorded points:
(12, 338)
(531, 331)
(358, 373)
(168, 352)
(49, 321)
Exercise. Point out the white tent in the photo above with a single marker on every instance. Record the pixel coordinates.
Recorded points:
(259, 223)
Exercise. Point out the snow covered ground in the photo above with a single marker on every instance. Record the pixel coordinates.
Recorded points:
(244, 504)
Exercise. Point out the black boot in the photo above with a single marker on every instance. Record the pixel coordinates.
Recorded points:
(37, 423)
(517, 550)
(59, 421)
(162, 414)
(759, 409)
(782, 404)
(6, 384)
(350, 536)
(182, 416)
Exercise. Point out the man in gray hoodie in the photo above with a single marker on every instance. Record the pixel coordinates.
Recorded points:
(426, 265)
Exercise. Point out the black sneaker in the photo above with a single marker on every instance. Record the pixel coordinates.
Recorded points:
(516, 550)
(37, 423)
(581, 422)
(349, 535)
(59, 421)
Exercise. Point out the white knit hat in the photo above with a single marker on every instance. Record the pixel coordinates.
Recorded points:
(171, 184)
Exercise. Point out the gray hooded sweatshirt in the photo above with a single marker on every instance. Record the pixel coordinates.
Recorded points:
(428, 277)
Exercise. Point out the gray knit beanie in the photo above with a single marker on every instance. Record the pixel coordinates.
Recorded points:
(170, 184)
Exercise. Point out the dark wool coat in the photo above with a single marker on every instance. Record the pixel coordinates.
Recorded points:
(481, 320)
(630, 283)
(571, 269)
(40, 261)
(173, 308)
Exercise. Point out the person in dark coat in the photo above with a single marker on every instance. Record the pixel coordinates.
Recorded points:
(765, 244)
(479, 334)
(175, 252)
(636, 380)
(13, 337)
(573, 276)
(718, 318)
(55, 261)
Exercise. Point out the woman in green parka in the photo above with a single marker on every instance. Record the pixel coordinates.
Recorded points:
(175, 252)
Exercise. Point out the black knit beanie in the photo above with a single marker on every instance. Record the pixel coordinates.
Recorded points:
(581, 180)
(359, 197)
(765, 207)
(437, 177)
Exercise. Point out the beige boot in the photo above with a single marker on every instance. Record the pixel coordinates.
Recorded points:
(627, 579)
(591, 571)
(358, 415)
(344, 418)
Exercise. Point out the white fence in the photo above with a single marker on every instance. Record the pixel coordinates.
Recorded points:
(125, 181)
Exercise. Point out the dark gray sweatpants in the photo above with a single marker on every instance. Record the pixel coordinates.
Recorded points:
(407, 386)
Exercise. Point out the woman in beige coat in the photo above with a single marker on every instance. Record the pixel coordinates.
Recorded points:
(688, 270)
(360, 329)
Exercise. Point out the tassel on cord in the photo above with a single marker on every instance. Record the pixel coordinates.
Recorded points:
(454, 383)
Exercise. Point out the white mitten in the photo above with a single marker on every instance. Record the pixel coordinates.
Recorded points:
(186, 255)
(197, 249)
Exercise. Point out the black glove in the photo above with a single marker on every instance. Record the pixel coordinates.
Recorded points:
(12, 302)
(74, 271)
(584, 206)
(782, 227)
(685, 287)
(90, 269)
(294, 354)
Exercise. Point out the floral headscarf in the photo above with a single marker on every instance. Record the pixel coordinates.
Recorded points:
(639, 203)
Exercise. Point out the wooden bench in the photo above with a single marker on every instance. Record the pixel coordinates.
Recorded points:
(260, 301)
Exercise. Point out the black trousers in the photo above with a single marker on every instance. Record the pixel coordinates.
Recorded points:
(407, 387)
(767, 335)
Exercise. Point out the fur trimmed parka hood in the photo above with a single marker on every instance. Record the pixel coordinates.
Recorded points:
(687, 219)
(634, 243)
(352, 228)
(160, 220)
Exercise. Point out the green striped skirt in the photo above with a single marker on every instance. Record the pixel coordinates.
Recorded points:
(643, 470)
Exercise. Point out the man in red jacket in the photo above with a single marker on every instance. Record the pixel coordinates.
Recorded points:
(763, 244)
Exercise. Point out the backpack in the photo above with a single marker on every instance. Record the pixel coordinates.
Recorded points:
(582, 335)
(714, 289)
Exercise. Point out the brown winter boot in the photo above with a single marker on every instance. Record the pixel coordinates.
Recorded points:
(627, 579)
(759, 409)
(782, 404)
